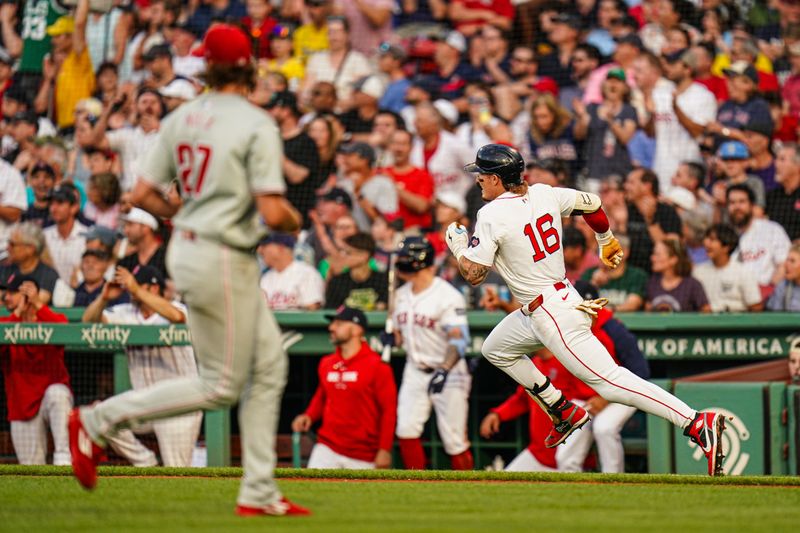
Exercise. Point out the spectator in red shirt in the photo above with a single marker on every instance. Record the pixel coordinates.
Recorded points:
(791, 87)
(356, 400)
(414, 185)
(703, 54)
(259, 25)
(470, 15)
(36, 380)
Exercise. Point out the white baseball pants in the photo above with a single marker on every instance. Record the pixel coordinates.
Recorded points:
(239, 356)
(527, 462)
(176, 436)
(29, 437)
(566, 332)
(451, 406)
(323, 457)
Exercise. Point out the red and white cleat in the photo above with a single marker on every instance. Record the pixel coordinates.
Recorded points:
(85, 453)
(706, 431)
(281, 508)
(570, 417)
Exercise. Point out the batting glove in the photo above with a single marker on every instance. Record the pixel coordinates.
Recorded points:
(437, 381)
(457, 239)
(610, 250)
(591, 307)
(387, 339)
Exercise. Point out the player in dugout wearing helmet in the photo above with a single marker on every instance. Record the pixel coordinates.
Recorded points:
(430, 318)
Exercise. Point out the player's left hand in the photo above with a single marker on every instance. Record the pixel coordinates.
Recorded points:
(591, 307)
(457, 238)
(611, 253)
(383, 459)
(437, 381)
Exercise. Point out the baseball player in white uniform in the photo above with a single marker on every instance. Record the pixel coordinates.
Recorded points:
(519, 234)
(148, 365)
(431, 318)
(227, 157)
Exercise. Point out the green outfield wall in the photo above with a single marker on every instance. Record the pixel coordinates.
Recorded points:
(676, 344)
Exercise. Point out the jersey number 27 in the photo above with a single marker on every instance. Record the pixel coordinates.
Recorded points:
(193, 161)
(548, 236)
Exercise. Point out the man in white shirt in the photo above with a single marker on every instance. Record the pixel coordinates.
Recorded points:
(440, 152)
(289, 284)
(763, 244)
(680, 116)
(373, 194)
(131, 142)
(13, 201)
(65, 239)
(729, 285)
(148, 365)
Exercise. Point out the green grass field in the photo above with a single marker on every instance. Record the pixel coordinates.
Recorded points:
(168, 500)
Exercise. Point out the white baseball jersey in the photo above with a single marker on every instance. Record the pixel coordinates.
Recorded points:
(298, 286)
(446, 165)
(520, 235)
(150, 364)
(762, 248)
(424, 319)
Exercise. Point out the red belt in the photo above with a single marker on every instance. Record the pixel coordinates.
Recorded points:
(536, 302)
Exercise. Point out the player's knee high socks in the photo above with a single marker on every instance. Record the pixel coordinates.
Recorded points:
(462, 461)
(412, 453)
(523, 371)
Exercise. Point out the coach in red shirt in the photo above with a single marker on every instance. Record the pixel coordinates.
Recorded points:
(356, 400)
(35, 377)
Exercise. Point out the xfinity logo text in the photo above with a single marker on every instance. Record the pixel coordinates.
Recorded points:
(105, 334)
(34, 333)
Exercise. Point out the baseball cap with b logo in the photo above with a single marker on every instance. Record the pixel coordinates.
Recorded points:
(225, 44)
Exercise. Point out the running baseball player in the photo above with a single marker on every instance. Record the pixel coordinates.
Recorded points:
(148, 365)
(431, 319)
(227, 156)
(519, 234)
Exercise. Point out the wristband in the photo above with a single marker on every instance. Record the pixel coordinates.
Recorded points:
(604, 238)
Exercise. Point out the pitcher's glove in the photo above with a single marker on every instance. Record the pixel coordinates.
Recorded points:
(437, 381)
(591, 307)
(611, 252)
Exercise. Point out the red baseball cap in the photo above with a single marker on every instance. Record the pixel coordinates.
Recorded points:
(225, 44)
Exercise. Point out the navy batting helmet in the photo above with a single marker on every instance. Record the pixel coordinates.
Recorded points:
(501, 160)
(415, 253)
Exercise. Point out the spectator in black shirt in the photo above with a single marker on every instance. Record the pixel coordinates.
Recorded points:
(783, 203)
(42, 179)
(359, 286)
(23, 127)
(94, 265)
(301, 167)
(649, 221)
(25, 247)
(141, 229)
(358, 122)
(565, 35)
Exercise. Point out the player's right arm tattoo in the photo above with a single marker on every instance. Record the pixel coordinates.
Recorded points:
(474, 273)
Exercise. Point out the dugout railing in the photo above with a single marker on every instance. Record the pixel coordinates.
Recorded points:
(675, 344)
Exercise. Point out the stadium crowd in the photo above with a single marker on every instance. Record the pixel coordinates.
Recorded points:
(682, 115)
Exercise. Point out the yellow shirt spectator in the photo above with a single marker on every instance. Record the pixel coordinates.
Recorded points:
(75, 81)
(292, 68)
(309, 39)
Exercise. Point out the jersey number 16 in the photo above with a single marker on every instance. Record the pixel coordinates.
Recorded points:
(193, 161)
(549, 237)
